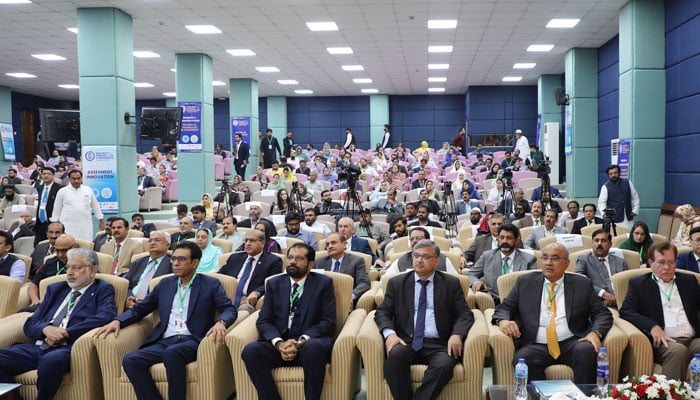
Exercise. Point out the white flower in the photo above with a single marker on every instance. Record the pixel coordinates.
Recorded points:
(652, 392)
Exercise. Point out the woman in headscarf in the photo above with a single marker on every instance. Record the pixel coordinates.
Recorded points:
(271, 245)
(423, 148)
(445, 148)
(639, 240)
(288, 175)
(431, 190)
(260, 177)
(210, 252)
(239, 186)
(304, 195)
(686, 213)
(496, 194)
(494, 171)
(208, 206)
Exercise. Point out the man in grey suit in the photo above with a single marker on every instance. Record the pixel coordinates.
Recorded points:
(535, 217)
(494, 263)
(483, 243)
(548, 229)
(599, 266)
(143, 270)
(338, 261)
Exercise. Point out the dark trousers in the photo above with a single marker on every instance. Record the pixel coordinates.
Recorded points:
(175, 352)
(261, 357)
(397, 370)
(580, 356)
(50, 364)
(240, 168)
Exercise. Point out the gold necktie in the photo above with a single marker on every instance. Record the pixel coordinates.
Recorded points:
(552, 342)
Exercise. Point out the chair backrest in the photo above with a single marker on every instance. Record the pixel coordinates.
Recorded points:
(617, 240)
(133, 233)
(121, 287)
(631, 257)
(506, 282)
(400, 244)
(586, 243)
(588, 230)
(621, 280)
(525, 232)
(84, 244)
(573, 258)
(104, 263)
(24, 245)
(9, 293)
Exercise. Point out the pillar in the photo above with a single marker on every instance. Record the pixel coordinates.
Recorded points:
(277, 117)
(243, 102)
(378, 116)
(5, 118)
(547, 108)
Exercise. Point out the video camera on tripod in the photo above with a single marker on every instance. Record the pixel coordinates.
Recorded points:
(544, 168)
(608, 221)
(349, 173)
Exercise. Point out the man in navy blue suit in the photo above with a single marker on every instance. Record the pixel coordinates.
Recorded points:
(69, 309)
(143, 181)
(187, 304)
(296, 325)
(689, 261)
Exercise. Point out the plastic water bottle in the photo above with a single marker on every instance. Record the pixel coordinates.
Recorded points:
(521, 380)
(603, 372)
(695, 373)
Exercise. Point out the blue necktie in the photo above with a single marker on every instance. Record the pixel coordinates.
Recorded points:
(42, 206)
(242, 281)
(419, 330)
(336, 266)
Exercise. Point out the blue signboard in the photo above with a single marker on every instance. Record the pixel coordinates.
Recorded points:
(240, 125)
(623, 157)
(191, 128)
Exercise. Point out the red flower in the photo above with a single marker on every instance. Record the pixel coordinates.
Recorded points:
(641, 390)
(652, 378)
(615, 392)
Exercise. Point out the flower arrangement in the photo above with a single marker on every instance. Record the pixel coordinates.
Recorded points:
(652, 387)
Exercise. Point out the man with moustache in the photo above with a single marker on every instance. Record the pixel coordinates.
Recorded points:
(296, 324)
(55, 265)
(599, 266)
(620, 195)
(54, 230)
(47, 196)
(143, 270)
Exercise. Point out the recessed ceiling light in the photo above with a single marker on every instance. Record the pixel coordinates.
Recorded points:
(173, 69)
(218, 83)
(267, 69)
(20, 75)
(437, 79)
(362, 80)
(512, 78)
(524, 65)
(563, 22)
(48, 57)
(322, 26)
(74, 30)
(203, 29)
(436, 89)
(15, 1)
(241, 52)
(287, 82)
(170, 94)
(303, 91)
(540, 47)
(370, 91)
(69, 86)
(143, 84)
(353, 68)
(339, 50)
(442, 23)
(145, 54)
(438, 66)
(439, 49)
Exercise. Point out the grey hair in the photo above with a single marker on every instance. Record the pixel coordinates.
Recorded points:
(428, 243)
(89, 256)
(162, 233)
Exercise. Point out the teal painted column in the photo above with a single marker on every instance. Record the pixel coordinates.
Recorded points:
(193, 85)
(277, 118)
(547, 108)
(581, 68)
(5, 118)
(106, 67)
(243, 102)
(643, 101)
(378, 116)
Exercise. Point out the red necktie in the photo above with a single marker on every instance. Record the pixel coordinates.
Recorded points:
(116, 259)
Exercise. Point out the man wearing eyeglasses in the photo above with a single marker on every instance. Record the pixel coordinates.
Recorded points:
(143, 270)
(554, 318)
(187, 304)
(55, 265)
(405, 262)
(664, 305)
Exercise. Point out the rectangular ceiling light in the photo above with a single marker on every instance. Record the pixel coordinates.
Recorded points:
(143, 85)
(322, 26)
(218, 83)
(170, 94)
(20, 75)
(241, 52)
(563, 22)
(442, 23)
(438, 66)
(436, 89)
(540, 47)
(303, 91)
(287, 82)
(69, 86)
(339, 50)
(48, 57)
(145, 54)
(439, 49)
(353, 68)
(437, 79)
(512, 78)
(524, 65)
(362, 80)
(370, 91)
(203, 29)
(267, 69)
(74, 30)
(15, 1)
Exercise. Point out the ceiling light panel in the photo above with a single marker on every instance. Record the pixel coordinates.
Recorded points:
(322, 26)
(69, 86)
(203, 29)
(512, 78)
(21, 75)
(145, 54)
(563, 22)
(287, 82)
(267, 69)
(339, 50)
(442, 23)
(241, 52)
(362, 80)
(370, 91)
(438, 66)
(143, 84)
(437, 79)
(48, 57)
(439, 49)
(540, 47)
(353, 68)
(436, 89)
(524, 65)
(303, 91)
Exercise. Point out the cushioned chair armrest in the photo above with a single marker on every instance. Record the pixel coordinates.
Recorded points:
(615, 343)
(85, 368)
(23, 297)
(242, 334)
(346, 359)
(371, 345)
(483, 300)
(111, 350)
(366, 301)
(374, 275)
(379, 297)
(214, 370)
(476, 347)
(11, 329)
(638, 358)
(502, 350)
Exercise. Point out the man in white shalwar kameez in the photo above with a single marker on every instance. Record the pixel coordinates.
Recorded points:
(522, 145)
(74, 206)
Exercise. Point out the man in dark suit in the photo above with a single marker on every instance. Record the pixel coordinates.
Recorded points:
(432, 205)
(664, 305)
(41, 250)
(423, 219)
(599, 266)
(254, 218)
(137, 224)
(241, 153)
(554, 318)
(251, 267)
(143, 181)
(296, 324)
(182, 325)
(689, 261)
(47, 196)
(338, 260)
(105, 237)
(199, 220)
(51, 267)
(269, 149)
(143, 270)
(435, 338)
(483, 243)
(184, 233)
(69, 309)
(23, 227)
(589, 218)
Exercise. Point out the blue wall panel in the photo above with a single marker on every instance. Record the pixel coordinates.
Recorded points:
(432, 118)
(608, 102)
(324, 119)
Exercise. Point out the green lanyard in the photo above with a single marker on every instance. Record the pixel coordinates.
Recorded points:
(641, 254)
(504, 266)
(551, 298)
(670, 292)
(59, 269)
(71, 302)
(182, 294)
(293, 297)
